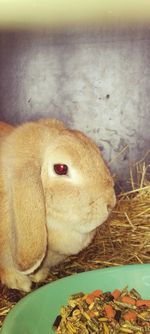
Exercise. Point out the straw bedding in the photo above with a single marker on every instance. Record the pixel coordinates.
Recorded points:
(123, 239)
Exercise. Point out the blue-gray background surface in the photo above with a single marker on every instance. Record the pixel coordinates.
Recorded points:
(96, 80)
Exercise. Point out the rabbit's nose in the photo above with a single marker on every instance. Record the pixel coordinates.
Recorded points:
(109, 208)
(111, 204)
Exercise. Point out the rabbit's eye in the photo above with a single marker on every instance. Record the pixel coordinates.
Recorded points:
(61, 169)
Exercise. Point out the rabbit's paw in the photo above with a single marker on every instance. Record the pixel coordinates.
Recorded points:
(16, 280)
(40, 275)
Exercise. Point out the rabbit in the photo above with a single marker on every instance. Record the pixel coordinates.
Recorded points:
(55, 191)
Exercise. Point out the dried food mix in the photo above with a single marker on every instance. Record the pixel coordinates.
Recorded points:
(120, 311)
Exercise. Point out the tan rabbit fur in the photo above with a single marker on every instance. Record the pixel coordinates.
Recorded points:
(45, 217)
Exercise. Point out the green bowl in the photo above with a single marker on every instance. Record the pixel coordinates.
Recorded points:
(36, 312)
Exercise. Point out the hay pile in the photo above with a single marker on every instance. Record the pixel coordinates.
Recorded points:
(123, 239)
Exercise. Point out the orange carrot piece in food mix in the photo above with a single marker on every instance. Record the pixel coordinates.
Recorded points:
(142, 302)
(116, 293)
(130, 316)
(128, 300)
(110, 312)
(90, 297)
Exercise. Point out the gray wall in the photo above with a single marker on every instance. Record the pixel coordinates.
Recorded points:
(96, 80)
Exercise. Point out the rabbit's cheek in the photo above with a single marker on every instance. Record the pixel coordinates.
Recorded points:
(68, 242)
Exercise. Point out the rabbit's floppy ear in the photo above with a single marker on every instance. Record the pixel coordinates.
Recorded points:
(28, 218)
(21, 167)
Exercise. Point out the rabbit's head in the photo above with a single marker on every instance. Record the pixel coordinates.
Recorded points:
(78, 191)
(59, 190)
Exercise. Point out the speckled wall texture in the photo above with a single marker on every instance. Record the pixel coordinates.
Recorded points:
(96, 80)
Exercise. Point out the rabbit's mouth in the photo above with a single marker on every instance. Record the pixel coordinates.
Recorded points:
(89, 226)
